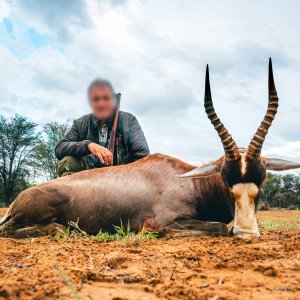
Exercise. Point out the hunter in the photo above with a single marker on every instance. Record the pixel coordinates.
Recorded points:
(85, 145)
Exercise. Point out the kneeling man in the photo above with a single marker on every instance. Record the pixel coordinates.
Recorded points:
(85, 145)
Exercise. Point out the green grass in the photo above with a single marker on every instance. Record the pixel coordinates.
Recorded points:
(122, 232)
(279, 224)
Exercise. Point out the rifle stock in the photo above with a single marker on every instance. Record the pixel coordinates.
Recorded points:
(112, 141)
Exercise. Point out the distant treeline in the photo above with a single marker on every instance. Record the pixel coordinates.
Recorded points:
(281, 191)
(27, 156)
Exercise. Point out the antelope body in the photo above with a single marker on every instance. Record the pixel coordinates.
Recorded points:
(158, 192)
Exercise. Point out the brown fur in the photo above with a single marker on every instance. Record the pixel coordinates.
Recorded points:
(146, 192)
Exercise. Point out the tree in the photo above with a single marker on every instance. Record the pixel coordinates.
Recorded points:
(290, 184)
(17, 140)
(271, 187)
(44, 157)
(281, 191)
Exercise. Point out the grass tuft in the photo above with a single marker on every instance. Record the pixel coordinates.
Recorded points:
(63, 235)
(122, 232)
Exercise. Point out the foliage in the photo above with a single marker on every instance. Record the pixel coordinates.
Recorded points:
(270, 189)
(44, 157)
(17, 141)
(281, 191)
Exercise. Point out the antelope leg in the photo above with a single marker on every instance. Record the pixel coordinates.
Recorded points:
(32, 231)
(192, 227)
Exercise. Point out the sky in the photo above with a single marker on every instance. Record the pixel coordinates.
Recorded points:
(154, 52)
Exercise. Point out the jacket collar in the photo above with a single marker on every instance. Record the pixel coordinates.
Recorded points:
(108, 122)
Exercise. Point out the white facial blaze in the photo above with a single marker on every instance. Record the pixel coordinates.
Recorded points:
(244, 164)
(245, 223)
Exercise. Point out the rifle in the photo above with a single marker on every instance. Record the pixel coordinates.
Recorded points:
(112, 141)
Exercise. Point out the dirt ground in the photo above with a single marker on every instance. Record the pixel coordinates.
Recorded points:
(181, 268)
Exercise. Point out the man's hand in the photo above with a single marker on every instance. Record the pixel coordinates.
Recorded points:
(102, 153)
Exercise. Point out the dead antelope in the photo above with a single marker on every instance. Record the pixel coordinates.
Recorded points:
(158, 192)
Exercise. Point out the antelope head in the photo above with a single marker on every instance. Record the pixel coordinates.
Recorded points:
(243, 170)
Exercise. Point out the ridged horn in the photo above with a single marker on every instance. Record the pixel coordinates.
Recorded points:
(230, 147)
(255, 146)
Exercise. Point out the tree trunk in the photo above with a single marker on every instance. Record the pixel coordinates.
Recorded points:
(8, 195)
(7, 198)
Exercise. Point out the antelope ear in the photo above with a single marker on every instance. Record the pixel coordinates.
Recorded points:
(275, 164)
(205, 170)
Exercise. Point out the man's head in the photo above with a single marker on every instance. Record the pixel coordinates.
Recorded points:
(101, 98)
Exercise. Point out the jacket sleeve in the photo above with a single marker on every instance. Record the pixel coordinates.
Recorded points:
(137, 142)
(71, 145)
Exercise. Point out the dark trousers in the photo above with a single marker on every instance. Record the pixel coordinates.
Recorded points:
(71, 164)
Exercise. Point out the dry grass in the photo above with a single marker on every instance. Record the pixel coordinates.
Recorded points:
(279, 220)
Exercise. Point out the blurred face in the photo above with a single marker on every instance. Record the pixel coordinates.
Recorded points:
(102, 102)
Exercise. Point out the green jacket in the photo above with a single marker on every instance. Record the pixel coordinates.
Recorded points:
(130, 138)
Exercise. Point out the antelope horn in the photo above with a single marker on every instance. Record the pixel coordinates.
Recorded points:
(255, 146)
(230, 147)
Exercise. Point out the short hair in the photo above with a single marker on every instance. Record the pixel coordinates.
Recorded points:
(101, 83)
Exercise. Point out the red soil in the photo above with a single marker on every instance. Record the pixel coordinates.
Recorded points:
(182, 268)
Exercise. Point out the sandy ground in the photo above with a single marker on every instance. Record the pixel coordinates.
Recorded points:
(181, 268)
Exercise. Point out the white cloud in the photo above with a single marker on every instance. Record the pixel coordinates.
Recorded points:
(289, 150)
(4, 10)
(156, 58)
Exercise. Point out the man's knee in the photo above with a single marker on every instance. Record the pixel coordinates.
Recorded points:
(70, 164)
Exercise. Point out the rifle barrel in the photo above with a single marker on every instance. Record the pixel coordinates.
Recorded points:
(112, 140)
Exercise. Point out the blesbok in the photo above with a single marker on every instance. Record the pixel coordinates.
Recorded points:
(158, 192)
